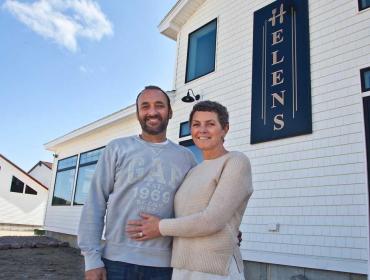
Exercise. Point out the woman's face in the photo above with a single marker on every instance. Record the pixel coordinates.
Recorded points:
(207, 132)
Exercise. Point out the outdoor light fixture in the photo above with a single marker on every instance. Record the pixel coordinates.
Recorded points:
(188, 98)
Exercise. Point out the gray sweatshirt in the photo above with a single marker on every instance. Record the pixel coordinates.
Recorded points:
(132, 176)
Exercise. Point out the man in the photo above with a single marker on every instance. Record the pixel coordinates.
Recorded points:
(134, 174)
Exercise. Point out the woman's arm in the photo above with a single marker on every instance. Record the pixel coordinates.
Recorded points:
(233, 189)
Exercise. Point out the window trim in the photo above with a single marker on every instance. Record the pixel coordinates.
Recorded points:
(362, 74)
(187, 53)
(181, 124)
(75, 178)
(32, 190)
(78, 173)
(360, 8)
(187, 143)
(56, 176)
(11, 184)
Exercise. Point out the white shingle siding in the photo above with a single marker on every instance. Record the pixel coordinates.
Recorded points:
(314, 185)
(20, 208)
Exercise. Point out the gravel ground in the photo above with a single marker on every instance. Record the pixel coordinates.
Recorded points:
(38, 257)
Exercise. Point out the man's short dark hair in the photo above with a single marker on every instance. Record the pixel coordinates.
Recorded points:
(155, 88)
(211, 106)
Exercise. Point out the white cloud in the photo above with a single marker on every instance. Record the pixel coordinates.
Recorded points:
(83, 69)
(63, 20)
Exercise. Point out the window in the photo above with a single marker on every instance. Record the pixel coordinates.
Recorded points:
(194, 149)
(64, 181)
(365, 79)
(17, 185)
(30, 190)
(363, 4)
(184, 129)
(86, 171)
(201, 51)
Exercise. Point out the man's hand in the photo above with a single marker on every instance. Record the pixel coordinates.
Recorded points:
(96, 274)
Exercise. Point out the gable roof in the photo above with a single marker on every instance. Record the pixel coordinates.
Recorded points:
(46, 163)
(24, 172)
(178, 16)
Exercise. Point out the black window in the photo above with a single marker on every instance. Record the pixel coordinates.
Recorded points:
(64, 181)
(17, 185)
(30, 190)
(86, 171)
(201, 51)
(194, 149)
(184, 129)
(365, 79)
(363, 4)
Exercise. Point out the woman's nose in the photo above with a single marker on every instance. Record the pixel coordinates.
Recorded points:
(202, 128)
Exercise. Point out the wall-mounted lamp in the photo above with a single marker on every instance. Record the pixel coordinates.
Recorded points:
(188, 98)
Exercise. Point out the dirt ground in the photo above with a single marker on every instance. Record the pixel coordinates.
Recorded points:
(51, 261)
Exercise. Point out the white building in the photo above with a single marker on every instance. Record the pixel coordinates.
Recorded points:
(22, 197)
(42, 171)
(309, 213)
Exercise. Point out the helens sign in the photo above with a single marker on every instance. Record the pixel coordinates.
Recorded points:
(281, 90)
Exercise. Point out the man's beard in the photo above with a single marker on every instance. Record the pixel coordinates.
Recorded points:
(154, 130)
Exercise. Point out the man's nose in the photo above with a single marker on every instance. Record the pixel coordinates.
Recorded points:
(152, 111)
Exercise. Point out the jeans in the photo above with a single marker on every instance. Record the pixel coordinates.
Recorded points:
(126, 271)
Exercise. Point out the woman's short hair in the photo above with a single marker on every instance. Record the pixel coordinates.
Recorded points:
(211, 106)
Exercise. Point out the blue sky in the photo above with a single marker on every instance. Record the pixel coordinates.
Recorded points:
(66, 63)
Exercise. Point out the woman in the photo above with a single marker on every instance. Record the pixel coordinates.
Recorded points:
(209, 204)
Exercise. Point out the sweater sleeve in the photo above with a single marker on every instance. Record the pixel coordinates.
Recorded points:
(233, 190)
(92, 216)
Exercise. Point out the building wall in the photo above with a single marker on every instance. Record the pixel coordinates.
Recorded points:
(313, 186)
(65, 219)
(20, 208)
(42, 174)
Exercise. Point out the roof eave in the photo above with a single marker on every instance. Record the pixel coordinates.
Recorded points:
(124, 113)
(183, 9)
(117, 116)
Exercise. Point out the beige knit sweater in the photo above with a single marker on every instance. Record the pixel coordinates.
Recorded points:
(209, 207)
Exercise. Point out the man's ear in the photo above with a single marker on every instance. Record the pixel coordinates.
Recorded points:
(170, 114)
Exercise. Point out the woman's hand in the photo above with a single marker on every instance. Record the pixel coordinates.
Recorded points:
(145, 229)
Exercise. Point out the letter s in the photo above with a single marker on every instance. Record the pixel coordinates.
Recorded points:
(279, 120)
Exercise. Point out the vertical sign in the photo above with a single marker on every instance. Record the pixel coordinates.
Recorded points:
(281, 90)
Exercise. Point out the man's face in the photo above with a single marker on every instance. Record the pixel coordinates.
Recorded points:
(153, 112)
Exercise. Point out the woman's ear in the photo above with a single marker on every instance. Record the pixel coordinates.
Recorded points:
(226, 128)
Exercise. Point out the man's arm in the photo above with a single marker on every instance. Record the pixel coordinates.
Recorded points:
(92, 217)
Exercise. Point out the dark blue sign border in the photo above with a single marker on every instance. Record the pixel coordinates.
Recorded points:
(281, 84)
